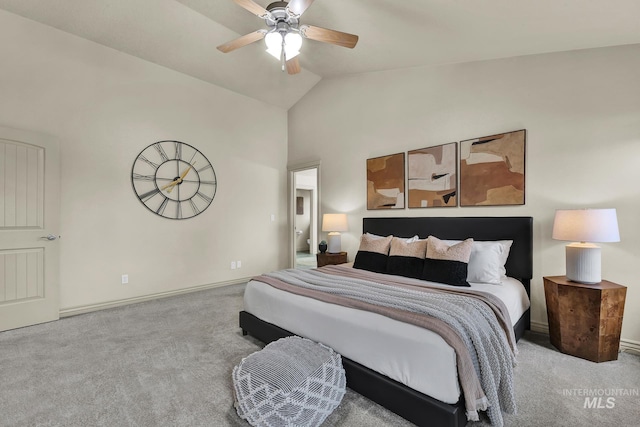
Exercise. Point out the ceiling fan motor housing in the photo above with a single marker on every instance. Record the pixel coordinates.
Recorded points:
(277, 5)
(280, 18)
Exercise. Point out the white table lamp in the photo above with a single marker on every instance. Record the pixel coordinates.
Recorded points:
(583, 227)
(334, 224)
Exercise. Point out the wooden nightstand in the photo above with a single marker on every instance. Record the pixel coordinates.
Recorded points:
(585, 320)
(331, 259)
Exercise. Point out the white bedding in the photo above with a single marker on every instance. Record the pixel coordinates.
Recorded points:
(406, 353)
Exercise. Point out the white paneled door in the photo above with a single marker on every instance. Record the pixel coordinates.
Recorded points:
(29, 218)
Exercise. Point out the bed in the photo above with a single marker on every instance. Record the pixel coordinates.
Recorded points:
(270, 315)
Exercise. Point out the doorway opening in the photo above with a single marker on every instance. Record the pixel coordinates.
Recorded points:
(304, 202)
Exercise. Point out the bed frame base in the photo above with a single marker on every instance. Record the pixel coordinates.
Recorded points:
(416, 407)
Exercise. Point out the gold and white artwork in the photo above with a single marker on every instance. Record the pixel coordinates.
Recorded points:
(433, 176)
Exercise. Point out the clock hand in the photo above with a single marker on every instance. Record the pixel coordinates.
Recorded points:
(171, 184)
(186, 171)
(180, 179)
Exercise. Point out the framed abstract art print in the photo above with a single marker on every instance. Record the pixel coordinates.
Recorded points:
(385, 182)
(492, 170)
(433, 176)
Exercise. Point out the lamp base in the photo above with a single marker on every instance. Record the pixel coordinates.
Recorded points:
(334, 243)
(584, 263)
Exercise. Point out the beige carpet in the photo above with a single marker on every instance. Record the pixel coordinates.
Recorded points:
(168, 363)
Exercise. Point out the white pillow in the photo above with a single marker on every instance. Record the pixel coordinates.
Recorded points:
(486, 264)
(408, 240)
(375, 236)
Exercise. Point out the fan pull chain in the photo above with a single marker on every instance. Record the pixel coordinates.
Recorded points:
(283, 58)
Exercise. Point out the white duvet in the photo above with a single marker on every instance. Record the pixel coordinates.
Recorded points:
(406, 353)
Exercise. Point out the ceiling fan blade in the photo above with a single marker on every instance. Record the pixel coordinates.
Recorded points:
(297, 7)
(242, 41)
(329, 36)
(293, 66)
(253, 7)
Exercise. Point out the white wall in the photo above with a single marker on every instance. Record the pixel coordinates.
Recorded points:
(105, 107)
(581, 110)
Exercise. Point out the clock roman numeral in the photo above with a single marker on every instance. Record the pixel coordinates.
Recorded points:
(161, 151)
(204, 197)
(179, 210)
(149, 162)
(208, 182)
(196, 211)
(162, 206)
(193, 157)
(178, 145)
(205, 168)
(149, 194)
(143, 177)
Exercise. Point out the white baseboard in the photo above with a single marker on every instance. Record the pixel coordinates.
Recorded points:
(73, 311)
(543, 328)
(627, 346)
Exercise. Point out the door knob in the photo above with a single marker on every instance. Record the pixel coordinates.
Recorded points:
(49, 237)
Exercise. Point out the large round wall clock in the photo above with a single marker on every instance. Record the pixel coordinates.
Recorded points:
(173, 179)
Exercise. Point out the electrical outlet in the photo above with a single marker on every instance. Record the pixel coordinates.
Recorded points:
(239, 263)
(233, 265)
(125, 279)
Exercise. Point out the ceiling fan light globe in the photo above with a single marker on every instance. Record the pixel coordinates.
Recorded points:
(293, 41)
(276, 53)
(290, 54)
(273, 40)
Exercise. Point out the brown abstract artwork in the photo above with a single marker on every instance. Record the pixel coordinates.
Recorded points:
(492, 170)
(385, 182)
(433, 178)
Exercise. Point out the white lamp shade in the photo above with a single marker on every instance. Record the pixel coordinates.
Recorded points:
(334, 222)
(292, 45)
(583, 260)
(273, 40)
(586, 225)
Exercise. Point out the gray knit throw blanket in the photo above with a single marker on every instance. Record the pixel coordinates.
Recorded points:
(483, 341)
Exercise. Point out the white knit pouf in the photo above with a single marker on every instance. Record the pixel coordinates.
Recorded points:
(291, 382)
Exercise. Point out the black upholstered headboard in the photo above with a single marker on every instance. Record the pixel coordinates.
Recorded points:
(519, 229)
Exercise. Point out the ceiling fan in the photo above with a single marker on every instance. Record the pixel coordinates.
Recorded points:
(283, 35)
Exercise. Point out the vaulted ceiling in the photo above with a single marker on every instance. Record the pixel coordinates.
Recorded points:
(183, 34)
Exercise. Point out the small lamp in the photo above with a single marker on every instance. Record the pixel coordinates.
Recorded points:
(334, 223)
(583, 259)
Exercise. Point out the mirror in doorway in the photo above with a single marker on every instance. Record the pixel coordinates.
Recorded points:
(299, 205)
